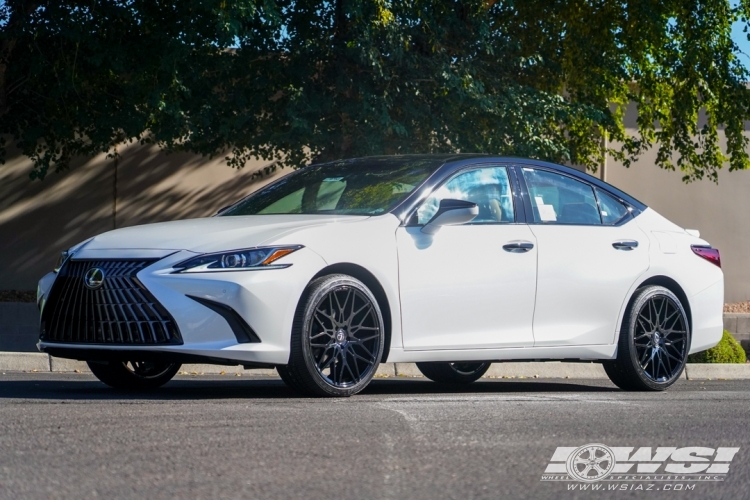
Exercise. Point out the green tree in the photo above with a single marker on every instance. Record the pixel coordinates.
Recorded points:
(296, 80)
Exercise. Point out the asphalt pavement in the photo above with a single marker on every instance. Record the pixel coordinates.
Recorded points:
(217, 437)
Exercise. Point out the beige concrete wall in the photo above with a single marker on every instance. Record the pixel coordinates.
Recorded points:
(39, 219)
(721, 212)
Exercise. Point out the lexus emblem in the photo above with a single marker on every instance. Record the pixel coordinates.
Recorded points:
(94, 278)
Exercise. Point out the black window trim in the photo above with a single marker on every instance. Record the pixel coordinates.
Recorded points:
(624, 219)
(404, 210)
(634, 211)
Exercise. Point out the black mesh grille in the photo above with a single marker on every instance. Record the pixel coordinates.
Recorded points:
(120, 312)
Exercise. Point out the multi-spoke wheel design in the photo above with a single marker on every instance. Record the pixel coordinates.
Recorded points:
(344, 336)
(338, 338)
(654, 342)
(454, 373)
(660, 338)
(134, 375)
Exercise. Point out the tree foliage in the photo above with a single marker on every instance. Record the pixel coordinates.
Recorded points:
(296, 80)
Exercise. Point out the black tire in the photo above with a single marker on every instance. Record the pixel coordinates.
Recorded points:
(288, 377)
(335, 353)
(654, 342)
(134, 375)
(454, 373)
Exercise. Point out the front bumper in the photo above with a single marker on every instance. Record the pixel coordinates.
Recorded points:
(266, 300)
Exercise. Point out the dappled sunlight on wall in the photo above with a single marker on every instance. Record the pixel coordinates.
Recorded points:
(39, 219)
(155, 187)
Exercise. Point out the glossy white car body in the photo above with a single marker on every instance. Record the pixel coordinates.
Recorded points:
(454, 296)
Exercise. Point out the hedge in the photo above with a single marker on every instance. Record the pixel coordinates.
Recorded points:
(728, 350)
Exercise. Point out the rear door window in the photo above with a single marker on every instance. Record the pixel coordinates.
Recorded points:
(559, 199)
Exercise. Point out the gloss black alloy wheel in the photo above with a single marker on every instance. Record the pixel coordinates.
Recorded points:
(337, 338)
(660, 335)
(134, 375)
(654, 342)
(464, 372)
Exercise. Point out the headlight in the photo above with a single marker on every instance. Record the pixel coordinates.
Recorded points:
(62, 258)
(237, 260)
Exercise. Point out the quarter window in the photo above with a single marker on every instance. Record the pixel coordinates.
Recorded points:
(488, 187)
(613, 212)
(558, 199)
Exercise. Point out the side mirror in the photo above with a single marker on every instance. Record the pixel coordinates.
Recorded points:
(451, 213)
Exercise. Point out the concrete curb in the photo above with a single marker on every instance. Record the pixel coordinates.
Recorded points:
(549, 369)
(717, 371)
(24, 362)
(39, 362)
(195, 369)
(66, 365)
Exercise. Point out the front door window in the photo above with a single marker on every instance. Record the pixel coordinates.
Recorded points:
(488, 187)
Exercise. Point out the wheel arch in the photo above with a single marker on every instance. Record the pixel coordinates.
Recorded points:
(673, 287)
(369, 279)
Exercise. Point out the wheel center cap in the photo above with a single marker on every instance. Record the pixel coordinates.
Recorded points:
(340, 336)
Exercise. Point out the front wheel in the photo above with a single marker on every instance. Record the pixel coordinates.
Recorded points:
(134, 375)
(454, 373)
(337, 338)
(654, 342)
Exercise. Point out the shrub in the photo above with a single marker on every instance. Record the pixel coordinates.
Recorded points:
(728, 350)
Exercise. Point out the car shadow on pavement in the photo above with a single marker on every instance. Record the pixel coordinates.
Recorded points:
(198, 388)
(485, 386)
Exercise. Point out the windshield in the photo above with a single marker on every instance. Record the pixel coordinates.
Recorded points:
(343, 188)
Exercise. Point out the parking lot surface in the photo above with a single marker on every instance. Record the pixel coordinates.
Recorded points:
(68, 436)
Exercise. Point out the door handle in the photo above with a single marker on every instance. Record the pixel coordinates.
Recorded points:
(518, 246)
(625, 244)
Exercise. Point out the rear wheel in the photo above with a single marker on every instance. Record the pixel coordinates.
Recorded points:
(337, 338)
(454, 373)
(134, 375)
(654, 342)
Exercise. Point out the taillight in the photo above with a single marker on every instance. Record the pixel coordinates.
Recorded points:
(708, 253)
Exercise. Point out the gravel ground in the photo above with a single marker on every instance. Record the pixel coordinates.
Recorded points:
(737, 307)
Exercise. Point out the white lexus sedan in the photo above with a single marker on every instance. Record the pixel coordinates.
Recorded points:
(452, 262)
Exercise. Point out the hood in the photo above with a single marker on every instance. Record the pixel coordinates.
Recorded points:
(212, 234)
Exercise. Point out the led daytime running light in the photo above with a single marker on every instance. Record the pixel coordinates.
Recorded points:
(277, 254)
(237, 260)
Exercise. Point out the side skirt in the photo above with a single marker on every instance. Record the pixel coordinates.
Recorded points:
(585, 353)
